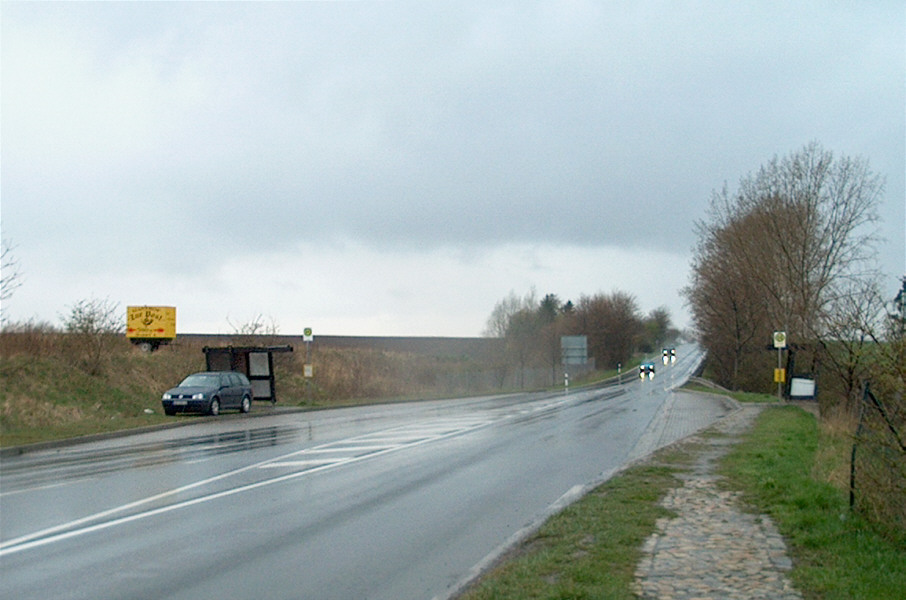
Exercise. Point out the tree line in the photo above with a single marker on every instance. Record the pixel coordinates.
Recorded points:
(531, 330)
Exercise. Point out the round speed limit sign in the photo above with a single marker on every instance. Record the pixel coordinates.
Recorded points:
(780, 339)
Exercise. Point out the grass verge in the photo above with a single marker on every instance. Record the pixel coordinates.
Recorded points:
(837, 554)
(745, 397)
(592, 548)
(42, 400)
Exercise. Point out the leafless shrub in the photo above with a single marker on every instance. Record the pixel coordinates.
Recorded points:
(10, 272)
(255, 332)
(93, 326)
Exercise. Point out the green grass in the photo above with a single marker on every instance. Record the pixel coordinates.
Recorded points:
(745, 397)
(590, 549)
(42, 400)
(837, 554)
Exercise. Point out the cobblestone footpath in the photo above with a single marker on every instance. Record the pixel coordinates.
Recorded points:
(712, 550)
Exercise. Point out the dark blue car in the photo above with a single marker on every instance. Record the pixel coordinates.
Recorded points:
(209, 392)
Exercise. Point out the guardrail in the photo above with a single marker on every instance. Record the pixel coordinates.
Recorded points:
(630, 375)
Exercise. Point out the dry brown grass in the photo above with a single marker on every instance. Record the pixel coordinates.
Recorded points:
(35, 412)
(53, 389)
(832, 460)
(880, 464)
(880, 481)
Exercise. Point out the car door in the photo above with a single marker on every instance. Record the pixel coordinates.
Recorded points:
(227, 391)
(235, 389)
(244, 387)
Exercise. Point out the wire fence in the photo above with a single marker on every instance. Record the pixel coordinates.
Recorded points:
(877, 483)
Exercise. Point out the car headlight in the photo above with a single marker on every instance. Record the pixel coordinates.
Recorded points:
(198, 396)
(167, 397)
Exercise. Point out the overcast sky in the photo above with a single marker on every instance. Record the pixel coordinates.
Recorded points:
(397, 168)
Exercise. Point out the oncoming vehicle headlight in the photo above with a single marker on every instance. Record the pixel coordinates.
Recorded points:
(168, 397)
(197, 396)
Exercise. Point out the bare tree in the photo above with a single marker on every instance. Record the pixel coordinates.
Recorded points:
(10, 274)
(522, 340)
(612, 324)
(255, 327)
(514, 321)
(727, 305)
(504, 311)
(552, 328)
(784, 251)
(657, 329)
(850, 344)
(815, 216)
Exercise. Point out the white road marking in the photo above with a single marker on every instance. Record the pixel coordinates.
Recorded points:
(301, 463)
(82, 526)
(381, 441)
(352, 447)
(396, 439)
(48, 486)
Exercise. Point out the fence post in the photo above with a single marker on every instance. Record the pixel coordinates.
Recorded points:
(852, 459)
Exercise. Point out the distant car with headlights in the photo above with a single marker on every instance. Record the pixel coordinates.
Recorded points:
(209, 392)
(646, 371)
(669, 355)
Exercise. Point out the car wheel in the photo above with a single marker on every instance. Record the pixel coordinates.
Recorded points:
(246, 404)
(214, 409)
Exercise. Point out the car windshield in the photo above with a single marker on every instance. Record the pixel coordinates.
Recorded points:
(201, 380)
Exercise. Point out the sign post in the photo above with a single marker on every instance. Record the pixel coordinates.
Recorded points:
(308, 370)
(307, 337)
(779, 374)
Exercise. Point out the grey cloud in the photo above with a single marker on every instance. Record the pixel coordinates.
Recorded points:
(425, 124)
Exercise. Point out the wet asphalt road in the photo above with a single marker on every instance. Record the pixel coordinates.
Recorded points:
(387, 502)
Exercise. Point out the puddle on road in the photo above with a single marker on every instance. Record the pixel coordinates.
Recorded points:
(71, 463)
(238, 441)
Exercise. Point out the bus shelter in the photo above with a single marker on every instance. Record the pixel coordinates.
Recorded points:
(256, 362)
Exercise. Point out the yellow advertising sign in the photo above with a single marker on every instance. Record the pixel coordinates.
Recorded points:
(779, 375)
(151, 322)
